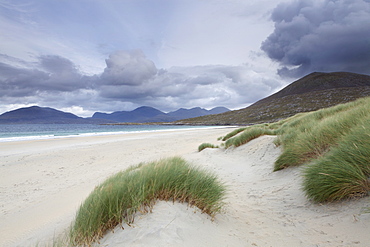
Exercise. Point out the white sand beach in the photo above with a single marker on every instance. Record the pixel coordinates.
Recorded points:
(43, 182)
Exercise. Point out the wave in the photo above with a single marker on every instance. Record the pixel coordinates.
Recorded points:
(58, 135)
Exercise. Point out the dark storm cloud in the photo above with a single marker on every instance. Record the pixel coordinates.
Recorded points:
(19, 82)
(57, 65)
(63, 74)
(320, 36)
(51, 73)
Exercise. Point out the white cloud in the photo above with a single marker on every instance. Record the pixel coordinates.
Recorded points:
(118, 55)
(131, 80)
(127, 68)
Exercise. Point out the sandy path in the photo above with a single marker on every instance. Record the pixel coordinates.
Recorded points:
(43, 184)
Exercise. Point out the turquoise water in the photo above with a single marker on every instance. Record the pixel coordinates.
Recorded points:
(45, 131)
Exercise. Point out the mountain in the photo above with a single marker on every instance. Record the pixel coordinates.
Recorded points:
(322, 81)
(218, 110)
(195, 112)
(310, 93)
(43, 115)
(139, 115)
(146, 114)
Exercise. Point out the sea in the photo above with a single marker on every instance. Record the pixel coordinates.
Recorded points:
(21, 132)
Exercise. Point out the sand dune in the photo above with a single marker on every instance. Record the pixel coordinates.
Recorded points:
(43, 183)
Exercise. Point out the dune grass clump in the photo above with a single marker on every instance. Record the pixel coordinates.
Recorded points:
(334, 143)
(136, 189)
(248, 135)
(206, 145)
(313, 134)
(344, 172)
(233, 133)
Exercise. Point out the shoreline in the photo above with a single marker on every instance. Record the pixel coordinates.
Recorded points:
(44, 182)
(96, 133)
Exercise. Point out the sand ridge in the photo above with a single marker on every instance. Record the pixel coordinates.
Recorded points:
(43, 185)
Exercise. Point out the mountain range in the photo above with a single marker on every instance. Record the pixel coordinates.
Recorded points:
(44, 115)
(312, 92)
(144, 114)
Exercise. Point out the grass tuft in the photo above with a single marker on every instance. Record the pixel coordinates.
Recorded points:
(333, 142)
(247, 135)
(311, 135)
(233, 133)
(206, 145)
(344, 172)
(136, 189)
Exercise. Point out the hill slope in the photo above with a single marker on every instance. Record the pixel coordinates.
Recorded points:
(43, 115)
(310, 93)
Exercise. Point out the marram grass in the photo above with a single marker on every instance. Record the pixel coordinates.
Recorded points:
(206, 145)
(136, 189)
(313, 134)
(344, 172)
(247, 135)
(334, 143)
(233, 133)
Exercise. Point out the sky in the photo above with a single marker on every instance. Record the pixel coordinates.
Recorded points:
(86, 56)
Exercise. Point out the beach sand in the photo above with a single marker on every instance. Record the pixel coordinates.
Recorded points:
(43, 182)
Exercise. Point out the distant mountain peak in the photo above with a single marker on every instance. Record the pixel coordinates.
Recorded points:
(145, 108)
(148, 111)
(145, 114)
(41, 115)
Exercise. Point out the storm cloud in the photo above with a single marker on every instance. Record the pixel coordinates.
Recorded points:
(131, 80)
(49, 74)
(329, 35)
